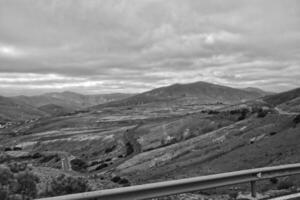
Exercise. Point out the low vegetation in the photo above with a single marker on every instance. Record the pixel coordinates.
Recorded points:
(63, 185)
(79, 165)
(144, 141)
(19, 185)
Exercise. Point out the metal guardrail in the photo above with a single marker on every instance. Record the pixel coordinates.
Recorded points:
(165, 188)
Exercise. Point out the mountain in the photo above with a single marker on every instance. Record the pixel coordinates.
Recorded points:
(199, 92)
(70, 100)
(54, 110)
(283, 97)
(289, 101)
(257, 90)
(11, 109)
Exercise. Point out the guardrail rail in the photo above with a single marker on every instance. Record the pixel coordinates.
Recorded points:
(166, 188)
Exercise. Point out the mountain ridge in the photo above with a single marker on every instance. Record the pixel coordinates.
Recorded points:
(198, 92)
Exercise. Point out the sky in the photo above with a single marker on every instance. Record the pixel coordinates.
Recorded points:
(130, 46)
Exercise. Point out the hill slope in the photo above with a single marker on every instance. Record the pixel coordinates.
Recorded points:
(69, 100)
(288, 101)
(11, 109)
(199, 93)
(54, 110)
(283, 97)
(257, 90)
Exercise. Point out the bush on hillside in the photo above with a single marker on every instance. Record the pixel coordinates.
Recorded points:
(274, 180)
(16, 167)
(285, 184)
(296, 120)
(272, 133)
(4, 194)
(261, 113)
(110, 149)
(6, 177)
(243, 114)
(47, 158)
(27, 184)
(16, 186)
(67, 185)
(78, 165)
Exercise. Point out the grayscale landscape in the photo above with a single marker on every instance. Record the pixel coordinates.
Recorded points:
(98, 95)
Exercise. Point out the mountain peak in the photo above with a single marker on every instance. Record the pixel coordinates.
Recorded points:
(198, 92)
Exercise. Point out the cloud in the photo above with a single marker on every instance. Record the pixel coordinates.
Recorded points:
(10, 51)
(135, 45)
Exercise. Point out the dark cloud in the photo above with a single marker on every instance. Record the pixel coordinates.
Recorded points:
(134, 45)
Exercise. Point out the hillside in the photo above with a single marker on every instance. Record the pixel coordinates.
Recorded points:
(288, 101)
(54, 110)
(69, 100)
(143, 144)
(284, 97)
(10, 109)
(257, 90)
(271, 141)
(193, 93)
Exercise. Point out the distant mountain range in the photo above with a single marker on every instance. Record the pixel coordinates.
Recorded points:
(199, 92)
(11, 109)
(53, 104)
(70, 100)
(257, 90)
(28, 107)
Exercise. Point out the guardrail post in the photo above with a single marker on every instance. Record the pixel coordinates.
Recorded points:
(253, 189)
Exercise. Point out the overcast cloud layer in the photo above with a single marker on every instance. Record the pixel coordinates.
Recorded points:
(104, 46)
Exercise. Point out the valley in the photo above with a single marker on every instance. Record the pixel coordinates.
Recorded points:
(158, 135)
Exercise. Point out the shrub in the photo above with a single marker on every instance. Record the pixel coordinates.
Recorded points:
(261, 113)
(78, 165)
(129, 149)
(101, 166)
(116, 179)
(16, 167)
(243, 115)
(213, 112)
(67, 185)
(273, 133)
(110, 149)
(285, 184)
(7, 149)
(6, 177)
(37, 155)
(124, 182)
(4, 194)
(274, 180)
(17, 148)
(47, 158)
(27, 184)
(17, 186)
(296, 120)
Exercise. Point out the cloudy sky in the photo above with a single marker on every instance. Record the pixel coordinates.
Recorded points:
(104, 46)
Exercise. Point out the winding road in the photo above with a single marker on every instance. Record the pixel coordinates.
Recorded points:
(282, 112)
